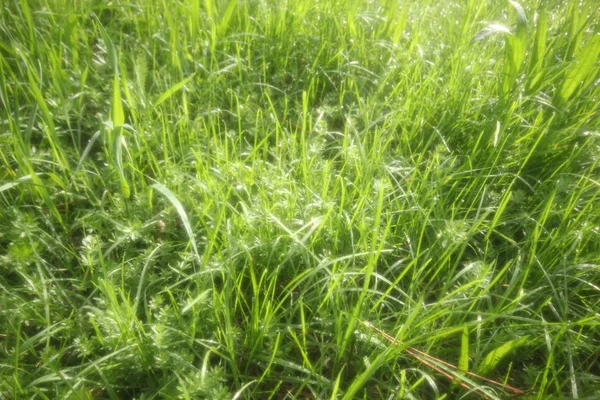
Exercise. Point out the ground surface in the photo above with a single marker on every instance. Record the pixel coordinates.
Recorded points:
(291, 199)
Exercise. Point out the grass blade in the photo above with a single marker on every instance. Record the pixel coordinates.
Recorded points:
(490, 30)
(463, 362)
(118, 116)
(576, 77)
(493, 358)
(14, 183)
(172, 90)
(182, 214)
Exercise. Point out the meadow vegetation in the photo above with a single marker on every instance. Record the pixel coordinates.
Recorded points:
(315, 199)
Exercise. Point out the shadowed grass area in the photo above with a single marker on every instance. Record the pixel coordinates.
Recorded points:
(298, 199)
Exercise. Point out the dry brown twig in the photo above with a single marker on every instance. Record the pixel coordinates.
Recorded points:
(427, 359)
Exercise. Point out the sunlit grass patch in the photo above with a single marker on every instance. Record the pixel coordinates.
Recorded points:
(311, 199)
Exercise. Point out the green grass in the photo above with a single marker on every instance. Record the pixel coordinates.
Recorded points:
(241, 199)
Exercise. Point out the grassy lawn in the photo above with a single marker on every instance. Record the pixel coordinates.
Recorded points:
(299, 199)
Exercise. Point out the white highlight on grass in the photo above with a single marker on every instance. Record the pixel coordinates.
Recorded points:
(497, 133)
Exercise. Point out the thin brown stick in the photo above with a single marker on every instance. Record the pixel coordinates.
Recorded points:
(483, 378)
(441, 371)
(413, 351)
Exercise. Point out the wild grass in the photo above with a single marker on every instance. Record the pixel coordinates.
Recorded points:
(298, 199)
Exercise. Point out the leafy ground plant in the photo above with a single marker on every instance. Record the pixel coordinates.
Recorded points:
(299, 199)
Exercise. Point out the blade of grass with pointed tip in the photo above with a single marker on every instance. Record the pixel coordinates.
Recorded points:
(577, 76)
(363, 378)
(521, 16)
(202, 297)
(336, 385)
(138, 294)
(30, 25)
(182, 214)
(575, 29)
(493, 358)
(536, 72)
(541, 33)
(118, 119)
(87, 149)
(14, 183)
(110, 47)
(172, 90)
(239, 393)
(226, 18)
(490, 30)
(515, 51)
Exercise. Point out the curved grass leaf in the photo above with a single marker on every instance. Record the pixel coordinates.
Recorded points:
(491, 361)
(172, 90)
(490, 30)
(14, 183)
(521, 16)
(87, 149)
(182, 214)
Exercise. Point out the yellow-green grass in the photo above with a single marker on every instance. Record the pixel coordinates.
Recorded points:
(244, 199)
